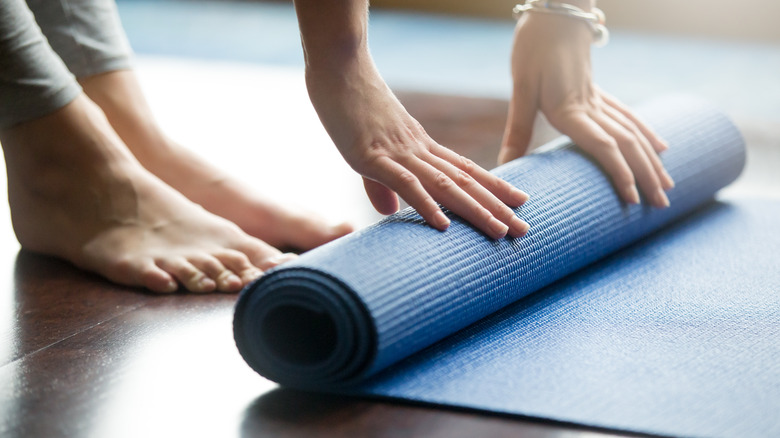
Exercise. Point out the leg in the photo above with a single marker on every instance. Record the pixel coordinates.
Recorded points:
(89, 37)
(77, 193)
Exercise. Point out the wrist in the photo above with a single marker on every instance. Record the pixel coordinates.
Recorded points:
(583, 11)
(339, 67)
(336, 53)
(585, 5)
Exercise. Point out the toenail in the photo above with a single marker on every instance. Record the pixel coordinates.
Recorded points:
(171, 286)
(281, 258)
(206, 283)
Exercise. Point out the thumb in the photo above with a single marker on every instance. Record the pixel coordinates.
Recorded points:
(382, 198)
(519, 124)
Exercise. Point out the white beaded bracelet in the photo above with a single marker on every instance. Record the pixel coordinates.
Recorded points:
(595, 19)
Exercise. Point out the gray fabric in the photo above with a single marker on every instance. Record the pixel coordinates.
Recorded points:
(33, 79)
(87, 34)
(87, 37)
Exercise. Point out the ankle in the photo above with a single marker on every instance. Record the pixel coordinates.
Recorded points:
(44, 155)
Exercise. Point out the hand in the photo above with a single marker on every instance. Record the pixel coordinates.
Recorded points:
(393, 153)
(551, 72)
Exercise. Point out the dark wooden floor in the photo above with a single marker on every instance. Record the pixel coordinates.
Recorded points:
(80, 357)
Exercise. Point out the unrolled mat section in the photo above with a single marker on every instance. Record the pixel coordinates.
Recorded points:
(349, 309)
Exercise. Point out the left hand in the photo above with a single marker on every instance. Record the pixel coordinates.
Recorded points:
(552, 74)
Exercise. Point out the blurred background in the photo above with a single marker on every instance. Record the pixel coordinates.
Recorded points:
(729, 54)
(754, 19)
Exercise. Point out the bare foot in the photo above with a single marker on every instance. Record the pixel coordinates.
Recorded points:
(120, 97)
(77, 193)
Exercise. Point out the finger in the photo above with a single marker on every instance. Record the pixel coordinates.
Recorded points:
(592, 138)
(382, 198)
(404, 182)
(666, 180)
(504, 191)
(520, 121)
(499, 210)
(226, 280)
(452, 196)
(192, 278)
(659, 144)
(637, 159)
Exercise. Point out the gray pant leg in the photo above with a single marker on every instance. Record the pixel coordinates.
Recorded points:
(33, 79)
(87, 34)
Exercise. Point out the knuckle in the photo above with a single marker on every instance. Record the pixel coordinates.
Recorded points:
(467, 165)
(464, 180)
(415, 129)
(442, 181)
(609, 144)
(397, 139)
(376, 147)
(483, 214)
(501, 209)
(626, 140)
(368, 160)
(406, 177)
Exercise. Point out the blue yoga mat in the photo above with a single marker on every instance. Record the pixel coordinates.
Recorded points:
(604, 314)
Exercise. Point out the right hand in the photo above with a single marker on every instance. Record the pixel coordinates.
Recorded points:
(390, 149)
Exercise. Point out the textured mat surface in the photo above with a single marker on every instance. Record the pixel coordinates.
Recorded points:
(661, 337)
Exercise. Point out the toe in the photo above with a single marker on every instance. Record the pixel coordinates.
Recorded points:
(277, 260)
(239, 263)
(225, 279)
(157, 280)
(192, 278)
(257, 251)
(137, 271)
(310, 232)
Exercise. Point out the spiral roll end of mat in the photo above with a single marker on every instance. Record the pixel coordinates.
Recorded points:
(351, 308)
(307, 329)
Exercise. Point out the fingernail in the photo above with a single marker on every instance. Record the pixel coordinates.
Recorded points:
(669, 183)
(498, 228)
(519, 227)
(661, 200)
(233, 278)
(632, 195)
(519, 197)
(664, 145)
(442, 221)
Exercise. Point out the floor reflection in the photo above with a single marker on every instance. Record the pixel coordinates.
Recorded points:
(181, 375)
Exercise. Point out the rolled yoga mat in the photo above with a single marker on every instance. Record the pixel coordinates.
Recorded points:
(649, 339)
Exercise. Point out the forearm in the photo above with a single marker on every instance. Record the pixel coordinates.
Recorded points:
(333, 32)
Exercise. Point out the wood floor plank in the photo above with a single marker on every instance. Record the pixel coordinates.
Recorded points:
(55, 301)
